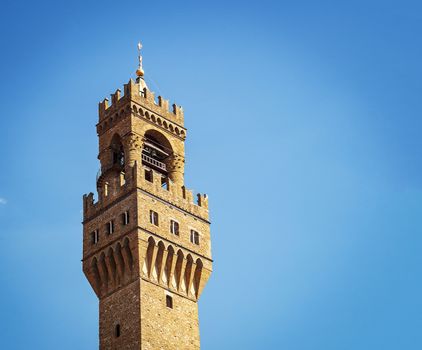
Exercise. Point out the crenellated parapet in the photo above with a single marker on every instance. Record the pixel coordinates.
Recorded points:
(180, 197)
(141, 103)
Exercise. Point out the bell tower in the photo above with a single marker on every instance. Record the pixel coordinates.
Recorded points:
(146, 240)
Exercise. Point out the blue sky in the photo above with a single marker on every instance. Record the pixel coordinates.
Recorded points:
(304, 124)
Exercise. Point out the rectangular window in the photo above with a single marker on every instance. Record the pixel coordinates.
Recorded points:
(94, 237)
(110, 227)
(125, 218)
(169, 301)
(153, 217)
(148, 175)
(194, 237)
(174, 227)
(165, 183)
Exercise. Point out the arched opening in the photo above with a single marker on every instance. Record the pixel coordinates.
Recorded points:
(178, 269)
(118, 153)
(157, 154)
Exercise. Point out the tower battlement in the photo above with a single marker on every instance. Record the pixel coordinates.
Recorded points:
(180, 197)
(143, 97)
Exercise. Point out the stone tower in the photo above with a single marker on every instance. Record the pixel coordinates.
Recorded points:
(146, 241)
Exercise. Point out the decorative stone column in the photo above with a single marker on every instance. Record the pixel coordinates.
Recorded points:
(132, 145)
(176, 169)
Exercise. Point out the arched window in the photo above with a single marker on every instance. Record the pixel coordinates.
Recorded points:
(156, 151)
(117, 331)
(118, 153)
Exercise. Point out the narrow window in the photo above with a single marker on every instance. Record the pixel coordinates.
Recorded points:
(125, 218)
(164, 183)
(174, 227)
(94, 237)
(194, 237)
(169, 301)
(117, 330)
(148, 175)
(110, 227)
(153, 217)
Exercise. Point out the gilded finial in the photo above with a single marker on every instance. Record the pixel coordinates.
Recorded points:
(139, 71)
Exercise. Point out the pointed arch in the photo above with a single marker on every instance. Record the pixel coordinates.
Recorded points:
(159, 260)
(120, 263)
(197, 277)
(112, 264)
(118, 152)
(179, 268)
(96, 274)
(103, 271)
(128, 253)
(168, 264)
(188, 272)
(149, 255)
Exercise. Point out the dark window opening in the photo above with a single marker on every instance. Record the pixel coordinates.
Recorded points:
(174, 227)
(169, 301)
(194, 237)
(125, 218)
(117, 330)
(119, 158)
(165, 182)
(148, 175)
(153, 217)
(94, 237)
(110, 227)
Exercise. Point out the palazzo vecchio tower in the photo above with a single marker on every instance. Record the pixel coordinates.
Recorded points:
(146, 241)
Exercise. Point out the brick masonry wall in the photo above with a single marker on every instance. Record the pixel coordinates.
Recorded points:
(123, 308)
(164, 328)
(186, 222)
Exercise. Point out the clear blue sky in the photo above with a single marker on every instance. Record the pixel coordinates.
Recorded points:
(304, 127)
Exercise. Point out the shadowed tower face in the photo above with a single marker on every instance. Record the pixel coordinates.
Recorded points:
(146, 241)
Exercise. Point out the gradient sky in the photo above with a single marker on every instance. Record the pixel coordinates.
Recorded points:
(304, 128)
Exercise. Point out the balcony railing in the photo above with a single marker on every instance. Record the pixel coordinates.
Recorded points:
(154, 162)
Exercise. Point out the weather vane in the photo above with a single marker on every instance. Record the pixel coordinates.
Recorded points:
(139, 71)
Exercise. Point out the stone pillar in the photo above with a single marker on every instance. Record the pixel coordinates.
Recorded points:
(176, 169)
(132, 145)
(106, 158)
